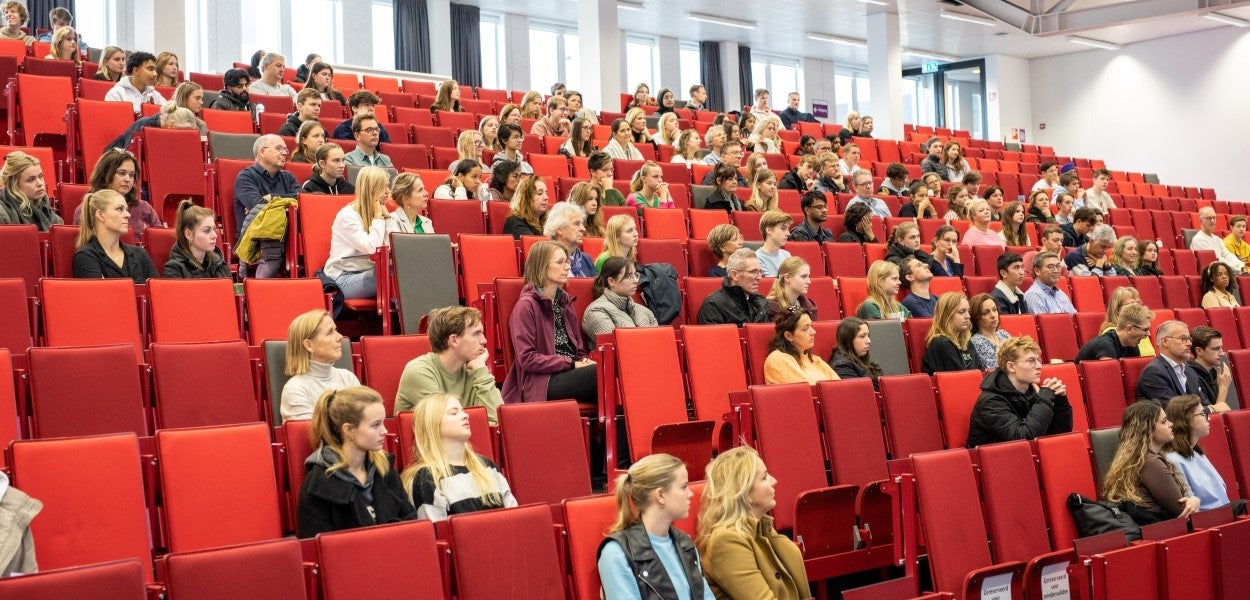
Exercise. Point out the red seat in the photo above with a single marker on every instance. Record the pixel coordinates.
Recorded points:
(15, 329)
(100, 517)
(810, 252)
(41, 104)
(911, 417)
(1150, 290)
(20, 246)
(664, 251)
(585, 520)
(957, 393)
(664, 223)
(85, 312)
(714, 368)
(228, 121)
(317, 213)
(384, 359)
(174, 169)
(484, 258)
(434, 136)
(544, 449)
(415, 116)
(1064, 467)
(117, 580)
(1132, 572)
(273, 303)
(86, 390)
(348, 561)
(185, 376)
(748, 223)
(233, 572)
(190, 461)
(1087, 294)
(703, 221)
(212, 301)
(274, 104)
(1217, 449)
(1058, 336)
(845, 259)
(455, 217)
(550, 165)
(1224, 321)
(522, 538)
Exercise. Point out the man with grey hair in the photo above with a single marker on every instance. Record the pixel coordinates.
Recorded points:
(264, 179)
(566, 225)
(1091, 257)
(861, 180)
(1169, 375)
(1206, 239)
(270, 82)
(738, 300)
(1043, 296)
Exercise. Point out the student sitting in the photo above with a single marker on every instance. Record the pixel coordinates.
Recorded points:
(359, 229)
(456, 363)
(947, 345)
(24, 199)
(1190, 424)
(794, 277)
(313, 345)
(196, 255)
(850, 357)
(329, 170)
(1012, 406)
(614, 304)
(100, 252)
(1140, 479)
(791, 359)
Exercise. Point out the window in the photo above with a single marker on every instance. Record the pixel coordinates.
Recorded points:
(493, 61)
(642, 63)
(851, 92)
(383, 34)
(691, 69)
(258, 31)
(196, 58)
(778, 75)
(548, 40)
(96, 22)
(317, 27)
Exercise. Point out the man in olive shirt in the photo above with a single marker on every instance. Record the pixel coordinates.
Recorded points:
(455, 365)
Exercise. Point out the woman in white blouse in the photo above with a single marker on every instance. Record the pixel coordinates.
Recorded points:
(359, 229)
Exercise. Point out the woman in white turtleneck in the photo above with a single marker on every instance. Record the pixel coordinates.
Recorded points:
(313, 345)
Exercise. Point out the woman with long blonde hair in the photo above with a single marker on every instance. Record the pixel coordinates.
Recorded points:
(636, 118)
(653, 494)
(446, 476)
(1140, 479)
(166, 69)
(350, 482)
(112, 64)
(883, 284)
(469, 146)
(666, 130)
(763, 191)
(620, 239)
(359, 229)
(794, 277)
(489, 128)
(649, 189)
(743, 555)
(24, 198)
(947, 345)
(529, 208)
(65, 45)
(531, 105)
(587, 195)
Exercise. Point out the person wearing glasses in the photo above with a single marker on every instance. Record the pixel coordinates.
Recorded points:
(1132, 326)
(614, 304)
(263, 180)
(738, 300)
(862, 181)
(367, 131)
(1015, 403)
(1044, 296)
(1205, 239)
(1169, 374)
(1191, 423)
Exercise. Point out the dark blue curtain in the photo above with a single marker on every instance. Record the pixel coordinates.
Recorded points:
(709, 71)
(412, 36)
(39, 10)
(744, 75)
(466, 44)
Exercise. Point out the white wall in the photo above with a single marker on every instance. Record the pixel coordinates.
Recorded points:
(1008, 97)
(1173, 106)
(817, 85)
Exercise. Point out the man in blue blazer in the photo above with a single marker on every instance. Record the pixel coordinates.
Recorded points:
(1169, 375)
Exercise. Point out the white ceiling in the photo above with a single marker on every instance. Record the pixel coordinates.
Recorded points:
(784, 24)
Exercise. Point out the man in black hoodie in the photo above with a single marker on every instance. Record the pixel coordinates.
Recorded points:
(1012, 405)
(307, 108)
(234, 95)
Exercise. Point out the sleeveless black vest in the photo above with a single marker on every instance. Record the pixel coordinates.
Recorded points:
(653, 581)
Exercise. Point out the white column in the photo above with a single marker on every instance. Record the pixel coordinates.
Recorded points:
(1008, 91)
(357, 25)
(885, 74)
(148, 30)
(817, 86)
(516, 33)
(599, 42)
(729, 76)
(439, 12)
(670, 68)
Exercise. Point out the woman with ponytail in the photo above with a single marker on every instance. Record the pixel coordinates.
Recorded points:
(101, 253)
(350, 482)
(644, 556)
(446, 476)
(196, 255)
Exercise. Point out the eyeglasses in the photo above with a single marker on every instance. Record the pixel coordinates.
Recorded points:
(1145, 330)
(1184, 339)
(1032, 361)
(369, 130)
(752, 272)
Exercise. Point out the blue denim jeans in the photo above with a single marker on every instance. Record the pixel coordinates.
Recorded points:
(362, 284)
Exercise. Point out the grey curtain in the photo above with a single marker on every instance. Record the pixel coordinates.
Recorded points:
(39, 10)
(709, 71)
(412, 36)
(744, 75)
(466, 44)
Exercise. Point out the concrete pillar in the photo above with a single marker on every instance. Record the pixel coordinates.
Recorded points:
(885, 73)
(440, 37)
(729, 76)
(516, 35)
(599, 42)
(357, 25)
(817, 86)
(670, 68)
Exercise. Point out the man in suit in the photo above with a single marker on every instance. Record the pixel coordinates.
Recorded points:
(1169, 375)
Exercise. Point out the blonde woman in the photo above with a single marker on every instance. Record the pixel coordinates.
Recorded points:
(166, 69)
(24, 199)
(687, 148)
(648, 189)
(947, 345)
(313, 346)
(359, 229)
(666, 130)
(489, 128)
(410, 194)
(763, 191)
(446, 476)
(979, 232)
(653, 494)
(743, 555)
(636, 118)
(99, 252)
(112, 65)
(469, 146)
(851, 128)
(350, 481)
(1124, 255)
(755, 163)
(764, 137)
(789, 290)
(587, 195)
(883, 284)
(531, 106)
(65, 45)
(620, 239)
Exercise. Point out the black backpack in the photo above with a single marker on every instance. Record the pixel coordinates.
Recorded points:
(658, 282)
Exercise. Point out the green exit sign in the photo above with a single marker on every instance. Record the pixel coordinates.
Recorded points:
(929, 67)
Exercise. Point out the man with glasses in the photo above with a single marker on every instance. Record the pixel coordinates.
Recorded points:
(815, 212)
(862, 181)
(264, 179)
(367, 132)
(1132, 326)
(556, 122)
(1206, 239)
(1169, 375)
(730, 154)
(234, 95)
(738, 300)
(1210, 365)
(1044, 297)
(1015, 404)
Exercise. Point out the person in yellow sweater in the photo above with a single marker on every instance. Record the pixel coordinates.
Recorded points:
(791, 359)
(1235, 241)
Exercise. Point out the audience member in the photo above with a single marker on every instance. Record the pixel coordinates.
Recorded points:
(578, 109)
(455, 365)
(648, 189)
(1074, 233)
(883, 284)
(351, 482)
(636, 120)
(112, 65)
(57, 18)
(895, 182)
(790, 359)
(953, 162)
(99, 252)
(1190, 424)
(1039, 208)
(1050, 177)
(738, 300)
(789, 291)
(361, 102)
(742, 554)
(253, 70)
(329, 170)
(313, 346)
(945, 261)
(511, 138)
(263, 180)
(791, 115)
(815, 212)
(933, 162)
(972, 182)
(166, 69)
(775, 229)
(551, 359)
(1096, 197)
(24, 199)
(234, 94)
(1219, 286)
(851, 358)
(1235, 241)
(1121, 298)
(1015, 231)
(303, 72)
(642, 97)
(172, 115)
(620, 239)
(359, 230)
(1205, 239)
(905, 242)
(367, 130)
(1169, 375)
(764, 138)
(1124, 256)
(1065, 208)
(408, 192)
(464, 182)
(1140, 480)
(947, 346)
(714, 139)
(850, 128)
(850, 160)
(986, 337)
(1015, 403)
(614, 304)
(15, 16)
(863, 195)
(1052, 241)
(859, 226)
(556, 122)
(1131, 327)
(1007, 292)
(915, 277)
(195, 255)
(724, 194)
(510, 114)
(118, 170)
(918, 204)
(65, 46)
(731, 154)
(136, 87)
(321, 81)
(763, 190)
(1148, 264)
(529, 208)
(505, 176)
(993, 196)
(581, 134)
(802, 177)
(643, 546)
(666, 130)
(310, 136)
(565, 225)
(1044, 296)
(489, 128)
(1210, 363)
(270, 81)
(723, 241)
(448, 97)
(1091, 257)
(698, 97)
(307, 109)
(957, 198)
(587, 195)
(979, 232)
